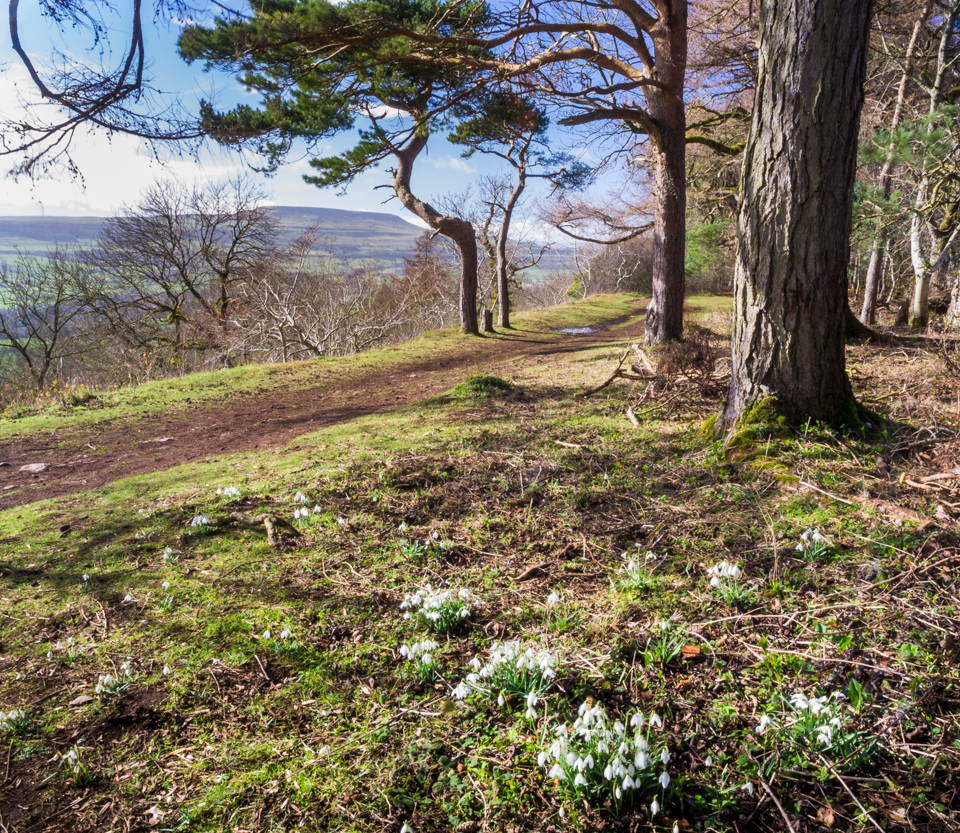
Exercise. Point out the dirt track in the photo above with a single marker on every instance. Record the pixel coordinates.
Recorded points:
(92, 456)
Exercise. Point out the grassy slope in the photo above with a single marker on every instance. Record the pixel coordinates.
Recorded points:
(330, 730)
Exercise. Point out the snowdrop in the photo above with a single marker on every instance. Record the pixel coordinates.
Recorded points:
(300, 497)
(441, 610)
(286, 633)
(200, 521)
(597, 760)
(13, 721)
(553, 599)
(723, 570)
(229, 493)
(513, 670)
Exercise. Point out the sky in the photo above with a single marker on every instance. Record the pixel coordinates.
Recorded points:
(115, 171)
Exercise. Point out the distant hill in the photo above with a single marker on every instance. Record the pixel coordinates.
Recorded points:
(385, 238)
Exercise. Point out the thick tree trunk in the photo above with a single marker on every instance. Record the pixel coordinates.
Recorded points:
(664, 320)
(796, 202)
(868, 315)
(459, 231)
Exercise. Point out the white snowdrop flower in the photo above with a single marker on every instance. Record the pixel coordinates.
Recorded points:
(748, 786)
(461, 692)
(641, 761)
(49, 654)
(542, 759)
(572, 759)
(556, 772)
(266, 634)
(628, 782)
(714, 582)
(665, 757)
(579, 781)
(618, 728)
(636, 722)
(608, 772)
(166, 671)
(286, 633)
(676, 828)
(530, 713)
(553, 599)
(708, 761)
(126, 669)
(86, 578)
(654, 807)
(155, 812)
(501, 700)
(476, 664)
(342, 521)
(299, 497)
(426, 659)
(589, 761)
(560, 812)
(664, 779)
(406, 828)
(166, 585)
(127, 598)
(656, 721)
(402, 527)
(618, 793)
(765, 723)
(200, 520)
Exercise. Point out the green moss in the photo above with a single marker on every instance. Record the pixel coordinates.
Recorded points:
(709, 426)
(482, 386)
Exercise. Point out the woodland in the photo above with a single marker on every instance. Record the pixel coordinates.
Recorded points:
(661, 538)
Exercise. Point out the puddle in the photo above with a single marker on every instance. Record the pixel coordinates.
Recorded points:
(579, 331)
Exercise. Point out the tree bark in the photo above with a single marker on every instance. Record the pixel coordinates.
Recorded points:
(664, 319)
(868, 314)
(795, 216)
(459, 231)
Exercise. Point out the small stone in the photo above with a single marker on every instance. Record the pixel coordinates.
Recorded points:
(35, 468)
(81, 700)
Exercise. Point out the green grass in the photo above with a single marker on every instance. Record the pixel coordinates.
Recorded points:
(327, 729)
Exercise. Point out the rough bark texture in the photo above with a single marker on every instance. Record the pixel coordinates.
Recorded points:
(664, 320)
(868, 315)
(953, 311)
(459, 231)
(793, 228)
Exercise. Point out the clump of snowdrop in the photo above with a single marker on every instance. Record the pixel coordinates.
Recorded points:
(166, 604)
(816, 725)
(300, 497)
(637, 572)
(443, 611)
(200, 523)
(109, 685)
(170, 555)
(726, 579)
(71, 766)
(302, 516)
(812, 544)
(599, 760)
(513, 671)
(422, 655)
(13, 722)
(229, 494)
(69, 647)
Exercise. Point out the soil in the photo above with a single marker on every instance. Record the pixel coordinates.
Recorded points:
(87, 457)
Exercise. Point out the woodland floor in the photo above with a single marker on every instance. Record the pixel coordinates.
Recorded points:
(258, 679)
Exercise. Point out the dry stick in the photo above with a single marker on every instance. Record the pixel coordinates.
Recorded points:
(6, 776)
(632, 417)
(777, 802)
(849, 792)
(266, 676)
(613, 376)
(219, 690)
(822, 492)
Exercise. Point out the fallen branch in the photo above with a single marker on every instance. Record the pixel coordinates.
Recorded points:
(612, 376)
(632, 417)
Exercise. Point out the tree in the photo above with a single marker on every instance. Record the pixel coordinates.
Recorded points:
(164, 272)
(118, 99)
(872, 284)
(929, 250)
(795, 215)
(619, 63)
(43, 319)
(513, 129)
(308, 97)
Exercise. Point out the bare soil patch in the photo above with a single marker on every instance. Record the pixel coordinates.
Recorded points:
(92, 456)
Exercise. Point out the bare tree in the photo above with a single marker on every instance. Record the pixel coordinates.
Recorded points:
(165, 271)
(43, 313)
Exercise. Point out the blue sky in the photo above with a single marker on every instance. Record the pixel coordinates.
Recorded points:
(116, 170)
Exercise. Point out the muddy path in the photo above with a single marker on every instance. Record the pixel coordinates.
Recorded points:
(86, 457)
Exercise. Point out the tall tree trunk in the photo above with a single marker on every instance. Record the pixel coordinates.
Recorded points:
(923, 257)
(664, 319)
(868, 315)
(795, 216)
(459, 231)
(503, 264)
(953, 311)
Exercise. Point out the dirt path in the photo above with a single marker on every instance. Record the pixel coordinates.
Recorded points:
(91, 456)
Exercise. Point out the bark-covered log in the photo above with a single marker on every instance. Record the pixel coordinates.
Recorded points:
(793, 227)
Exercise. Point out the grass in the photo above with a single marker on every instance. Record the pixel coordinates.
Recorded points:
(321, 724)
(172, 395)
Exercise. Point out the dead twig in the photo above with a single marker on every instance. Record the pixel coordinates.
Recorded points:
(849, 792)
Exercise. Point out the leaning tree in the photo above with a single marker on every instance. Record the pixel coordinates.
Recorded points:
(795, 213)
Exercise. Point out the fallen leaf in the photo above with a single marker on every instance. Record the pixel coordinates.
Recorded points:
(79, 701)
(690, 651)
(825, 816)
